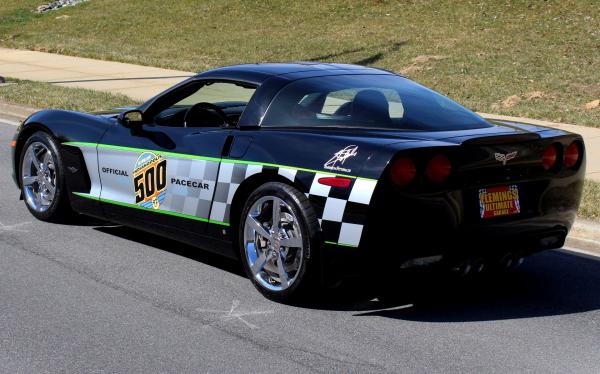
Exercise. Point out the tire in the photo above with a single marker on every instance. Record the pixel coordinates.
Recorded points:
(298, 225)
(37, 182)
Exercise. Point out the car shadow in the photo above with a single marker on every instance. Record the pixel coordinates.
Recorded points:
(83, 220)
(548, 284)
(174, 247)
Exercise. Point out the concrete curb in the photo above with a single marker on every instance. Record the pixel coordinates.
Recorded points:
(15, 112)
(585, 234)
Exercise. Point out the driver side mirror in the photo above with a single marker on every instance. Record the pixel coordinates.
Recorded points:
(131, 119)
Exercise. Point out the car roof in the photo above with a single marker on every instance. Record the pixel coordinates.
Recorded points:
(258, 73)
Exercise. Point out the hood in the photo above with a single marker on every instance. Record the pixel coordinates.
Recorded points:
(113, 112)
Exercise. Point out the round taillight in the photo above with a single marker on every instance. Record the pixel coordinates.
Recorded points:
(403, 171)
(438, 168)
(550, 156)
(572, 155)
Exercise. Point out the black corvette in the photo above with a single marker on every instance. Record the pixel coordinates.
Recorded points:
(309, 172)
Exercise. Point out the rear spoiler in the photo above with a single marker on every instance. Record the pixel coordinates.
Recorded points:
(500, 139)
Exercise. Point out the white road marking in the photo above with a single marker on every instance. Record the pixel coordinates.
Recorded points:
(8, 122)
(233, 313)
(13, 228)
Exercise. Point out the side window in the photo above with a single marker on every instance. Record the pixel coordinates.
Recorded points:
(382, 100)
(338, 102)
(217, 100)
(218, 92)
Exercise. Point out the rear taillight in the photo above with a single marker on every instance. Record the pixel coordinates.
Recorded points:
(550, 156)
(403, 171)
(438, 169)
(572, 155)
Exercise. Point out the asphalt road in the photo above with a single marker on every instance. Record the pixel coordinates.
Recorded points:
(91, 297)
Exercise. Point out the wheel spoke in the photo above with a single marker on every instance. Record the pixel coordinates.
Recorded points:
(291, 242)
(276, 215)
(51, 190)
(37, 198)
(277, 263)
(29, 180)
(259, 264)
(283, 275)
(38, 163)
(45, 200)
(30, 159)
(47, 159)
(258, 227)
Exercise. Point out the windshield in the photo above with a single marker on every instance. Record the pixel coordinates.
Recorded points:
(367, 101)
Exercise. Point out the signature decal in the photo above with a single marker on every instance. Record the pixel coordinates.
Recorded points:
(340, 157)
(504, 158)
(150, 180)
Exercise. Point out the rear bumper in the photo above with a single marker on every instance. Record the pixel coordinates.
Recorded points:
(401, 227)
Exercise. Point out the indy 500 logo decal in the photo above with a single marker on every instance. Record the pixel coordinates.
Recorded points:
(340, 157)
(150, 180)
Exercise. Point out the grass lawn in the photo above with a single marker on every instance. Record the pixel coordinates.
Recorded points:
(538, 59)
(590, 204)
(46, 95)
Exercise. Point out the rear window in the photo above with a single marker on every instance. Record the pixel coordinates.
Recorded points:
(371, 101)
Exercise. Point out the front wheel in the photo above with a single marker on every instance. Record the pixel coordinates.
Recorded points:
(279, 241)
(42, 179)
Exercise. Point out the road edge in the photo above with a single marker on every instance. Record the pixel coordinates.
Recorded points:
(15, 112)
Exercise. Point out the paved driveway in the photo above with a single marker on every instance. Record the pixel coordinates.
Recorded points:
(93, 297)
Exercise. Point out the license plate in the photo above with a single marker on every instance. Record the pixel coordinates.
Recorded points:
(499, 201)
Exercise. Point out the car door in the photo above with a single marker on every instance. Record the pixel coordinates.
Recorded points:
(161, 175)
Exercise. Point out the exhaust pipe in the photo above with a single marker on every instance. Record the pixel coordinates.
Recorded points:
(463, 268)
(479, 265)
(511, 261)
(518, 261)
(507, 261)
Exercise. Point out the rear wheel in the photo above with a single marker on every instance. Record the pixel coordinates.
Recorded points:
(42, 179)
(278, 242)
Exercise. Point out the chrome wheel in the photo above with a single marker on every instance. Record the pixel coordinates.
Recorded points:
(38, 177)
(273, 243)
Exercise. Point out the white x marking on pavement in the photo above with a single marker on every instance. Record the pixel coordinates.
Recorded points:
(14, 228)
(233, 313)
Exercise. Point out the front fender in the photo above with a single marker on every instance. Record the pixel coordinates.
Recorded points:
(63, 125)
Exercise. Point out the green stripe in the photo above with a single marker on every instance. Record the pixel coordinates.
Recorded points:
(226, 160)
(134, 206)
(341, 244)
(141, 150)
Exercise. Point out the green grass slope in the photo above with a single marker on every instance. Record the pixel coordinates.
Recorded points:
(533, 58)
(46, 95)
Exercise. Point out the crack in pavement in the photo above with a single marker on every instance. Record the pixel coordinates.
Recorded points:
(310, 362)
